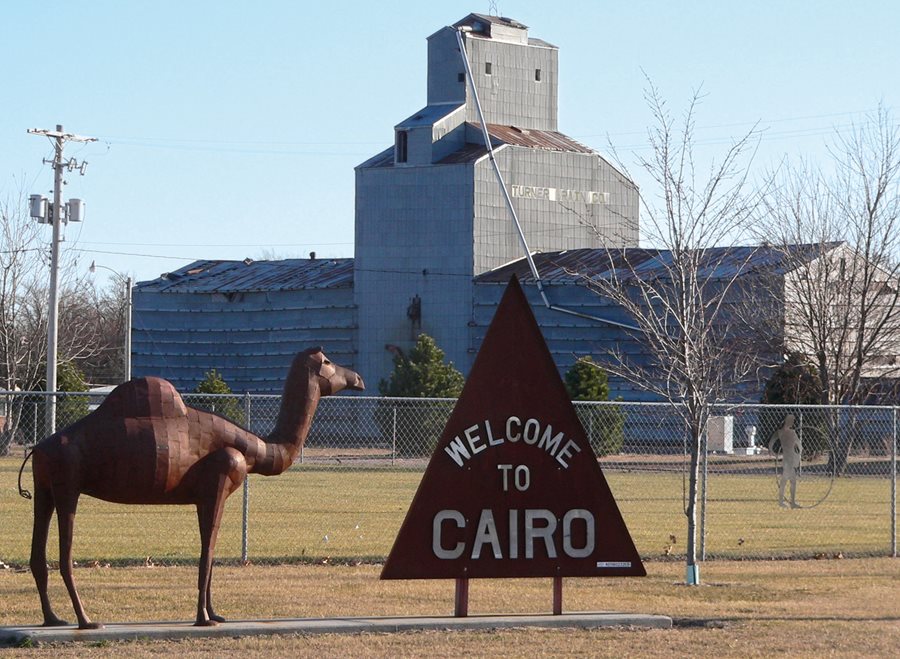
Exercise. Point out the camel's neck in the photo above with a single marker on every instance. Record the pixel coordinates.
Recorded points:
(298, 405)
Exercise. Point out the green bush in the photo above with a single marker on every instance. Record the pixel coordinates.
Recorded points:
(421, 374)
(230, 407)
(604, 425)
(70, 409)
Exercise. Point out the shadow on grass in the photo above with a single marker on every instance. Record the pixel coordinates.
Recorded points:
(720, 622)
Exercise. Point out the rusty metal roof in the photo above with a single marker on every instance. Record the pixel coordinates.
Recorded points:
(469, 153)
(548, 140)
(576, 265)
(253, 276)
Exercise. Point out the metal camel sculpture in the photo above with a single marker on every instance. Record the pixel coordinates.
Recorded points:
(143, 445)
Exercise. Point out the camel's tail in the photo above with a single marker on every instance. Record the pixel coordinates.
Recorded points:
(25, 494)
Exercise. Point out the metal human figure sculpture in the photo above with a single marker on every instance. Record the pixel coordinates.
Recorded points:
(143, 445)
(791, 453)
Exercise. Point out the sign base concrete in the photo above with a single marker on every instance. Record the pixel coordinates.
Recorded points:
(13, 636)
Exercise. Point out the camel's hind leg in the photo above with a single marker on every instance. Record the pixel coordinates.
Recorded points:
(66, 505)
(209, 605)
(223, 472)
(43, 512)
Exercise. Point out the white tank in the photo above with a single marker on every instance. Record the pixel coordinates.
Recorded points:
(75, 210)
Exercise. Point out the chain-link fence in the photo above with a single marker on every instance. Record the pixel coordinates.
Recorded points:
(826, 488)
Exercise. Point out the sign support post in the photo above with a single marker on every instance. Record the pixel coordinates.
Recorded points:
(461, 601)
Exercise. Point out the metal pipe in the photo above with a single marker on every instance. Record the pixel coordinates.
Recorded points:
(245, 508)
(586, 316)
(490, 150)
(394, 436)
(128, 311)
(894, 490)
(509, 205)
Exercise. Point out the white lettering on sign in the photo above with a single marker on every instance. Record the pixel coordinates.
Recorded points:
(568, 547)
(474, 440)
(561, 195)
(479, 437)
(436, 529)
(521, 477)
(486, 534)
(542, 534)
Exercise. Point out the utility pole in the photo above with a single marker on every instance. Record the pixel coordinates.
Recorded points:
(56, 218)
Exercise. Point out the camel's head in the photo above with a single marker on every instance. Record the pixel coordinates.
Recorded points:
(332, 378)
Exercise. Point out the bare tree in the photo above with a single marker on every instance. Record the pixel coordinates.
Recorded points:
(104, 311)
(24, 280)
(842, 308)
(678, 294)
(22, 326)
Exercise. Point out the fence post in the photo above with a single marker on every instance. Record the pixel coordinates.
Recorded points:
(894, 488)
(245, 510)
(394, 435)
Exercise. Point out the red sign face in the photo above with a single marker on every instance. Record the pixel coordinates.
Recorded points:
(513, 488)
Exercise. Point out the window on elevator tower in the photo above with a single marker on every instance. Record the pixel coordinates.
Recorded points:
(400, 146)
(487, 68)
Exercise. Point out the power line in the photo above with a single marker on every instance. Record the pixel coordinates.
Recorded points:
(739, 123)
(300, 148)
(149, 256)
(237, 142)
(227, 149)
(763, 136)
(273, 244)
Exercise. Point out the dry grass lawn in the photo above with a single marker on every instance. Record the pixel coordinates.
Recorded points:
(747, 609)
(313, 512)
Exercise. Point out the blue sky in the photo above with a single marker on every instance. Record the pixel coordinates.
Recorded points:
(231, 129)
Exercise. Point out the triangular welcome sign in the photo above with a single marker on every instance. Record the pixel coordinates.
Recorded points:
(513, 488)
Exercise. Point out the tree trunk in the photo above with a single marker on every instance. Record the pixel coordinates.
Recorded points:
(692, 577)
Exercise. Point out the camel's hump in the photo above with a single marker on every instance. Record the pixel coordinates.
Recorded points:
(144, 397)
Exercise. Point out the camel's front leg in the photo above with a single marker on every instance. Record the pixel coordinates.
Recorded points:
(222, 473)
